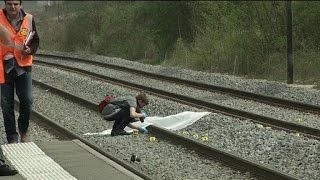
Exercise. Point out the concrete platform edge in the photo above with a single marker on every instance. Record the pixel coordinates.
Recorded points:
(107, 160)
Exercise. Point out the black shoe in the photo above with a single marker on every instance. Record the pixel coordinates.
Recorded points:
(24, 137)
(120, 133)
(13, 139)
(5, 170)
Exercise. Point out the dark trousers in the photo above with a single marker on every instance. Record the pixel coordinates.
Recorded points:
(23, 86)
(121, 119)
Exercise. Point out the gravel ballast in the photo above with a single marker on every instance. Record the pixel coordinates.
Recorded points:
(37, 133)
(160, 159)
(260, 86)
(306, 119)
(288, 152)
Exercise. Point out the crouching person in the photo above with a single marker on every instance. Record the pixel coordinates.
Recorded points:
(123, 111)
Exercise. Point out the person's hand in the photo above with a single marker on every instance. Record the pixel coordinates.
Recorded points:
(5, 36)
(143, 130)
(144, 114)
(26, 50)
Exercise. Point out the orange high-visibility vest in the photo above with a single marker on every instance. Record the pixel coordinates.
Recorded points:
(18, 39)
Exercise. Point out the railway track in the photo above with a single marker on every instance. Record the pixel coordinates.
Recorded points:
(174, 97)
(207, 87)
(228, 159)
(200, 103)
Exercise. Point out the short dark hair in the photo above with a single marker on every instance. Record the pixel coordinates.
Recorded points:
(5, 2)
(143, 97)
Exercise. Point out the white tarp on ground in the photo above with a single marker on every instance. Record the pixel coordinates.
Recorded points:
(172, 122)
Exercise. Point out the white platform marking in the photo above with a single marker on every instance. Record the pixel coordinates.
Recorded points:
(33, 163)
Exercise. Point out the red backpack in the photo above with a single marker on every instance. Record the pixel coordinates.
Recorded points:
(107, 99)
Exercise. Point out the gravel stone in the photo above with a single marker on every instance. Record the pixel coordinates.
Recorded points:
(288, 152)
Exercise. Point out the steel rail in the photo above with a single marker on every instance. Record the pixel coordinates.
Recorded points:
(209, 87)
(230, 159)
(268, 121)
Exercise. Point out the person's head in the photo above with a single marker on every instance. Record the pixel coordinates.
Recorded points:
(12, 7)
(142, 100)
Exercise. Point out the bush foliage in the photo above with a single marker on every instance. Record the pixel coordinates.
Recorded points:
(246, 38)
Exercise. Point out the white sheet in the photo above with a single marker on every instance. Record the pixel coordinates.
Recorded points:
(172, 122)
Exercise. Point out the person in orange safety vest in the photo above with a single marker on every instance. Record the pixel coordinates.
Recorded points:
(17, 63)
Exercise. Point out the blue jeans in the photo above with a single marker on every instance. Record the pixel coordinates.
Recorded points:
(23, 86)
